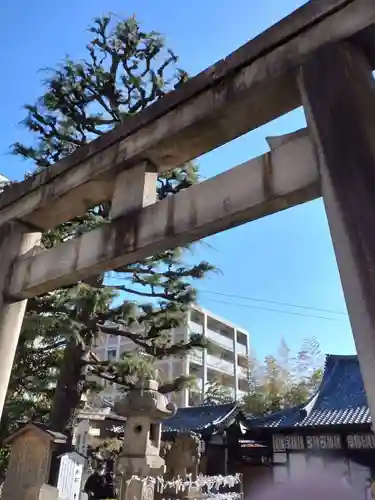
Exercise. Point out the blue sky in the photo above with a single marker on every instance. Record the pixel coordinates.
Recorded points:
(285, 258)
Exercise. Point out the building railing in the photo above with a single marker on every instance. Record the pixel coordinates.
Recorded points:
(223, 341)
(195, 328)
(218, 338)
(242, 349)
(217, 364)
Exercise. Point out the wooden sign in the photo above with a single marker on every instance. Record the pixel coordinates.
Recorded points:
(323, 442)
(283, 443)
(328, 442)
(298, 443)
(70, 475)
(361, 441)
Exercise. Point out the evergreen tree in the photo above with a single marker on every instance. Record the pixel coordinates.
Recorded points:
(126, 70)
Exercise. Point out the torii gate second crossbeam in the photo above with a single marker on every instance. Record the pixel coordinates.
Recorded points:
(321, 56)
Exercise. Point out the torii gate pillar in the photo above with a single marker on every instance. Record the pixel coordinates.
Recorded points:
(339, 98)
(15, 240)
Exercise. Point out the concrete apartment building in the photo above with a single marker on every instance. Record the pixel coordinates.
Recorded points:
(228, 361)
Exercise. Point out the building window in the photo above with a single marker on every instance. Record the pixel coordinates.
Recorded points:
(227, 356)
(224, 333)
(111, 354)
(112, 339)
(242, 338)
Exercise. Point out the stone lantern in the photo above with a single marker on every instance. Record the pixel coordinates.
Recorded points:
(144, 408)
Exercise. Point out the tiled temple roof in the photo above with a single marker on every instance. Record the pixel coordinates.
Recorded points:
(199, 418)
(340, 400)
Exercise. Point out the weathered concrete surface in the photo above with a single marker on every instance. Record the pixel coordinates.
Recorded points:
(275, 181)
(341, 116)
(15, 240)
(203, 114)
(142, 181)
(48, 492)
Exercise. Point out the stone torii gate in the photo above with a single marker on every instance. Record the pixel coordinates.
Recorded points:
(321, 57)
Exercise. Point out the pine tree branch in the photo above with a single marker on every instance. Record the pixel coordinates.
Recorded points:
(110, 378)
(165, 296)
(114, 379)
(138, 270)
(94, 360)
(120, 331)
(51, 347)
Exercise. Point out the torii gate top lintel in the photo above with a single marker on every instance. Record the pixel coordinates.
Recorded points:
(320, 56)
(204, 113)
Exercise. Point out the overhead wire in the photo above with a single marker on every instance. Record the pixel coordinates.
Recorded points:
(287, 304)
(269, 309)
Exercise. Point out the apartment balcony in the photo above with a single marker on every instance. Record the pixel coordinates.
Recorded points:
(195, 328)
(242, 349)
(219, 339)
(213, 362)
(217, 364)
(220, 365)
(216, 337)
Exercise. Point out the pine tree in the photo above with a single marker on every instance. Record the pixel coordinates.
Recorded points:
(126, 70)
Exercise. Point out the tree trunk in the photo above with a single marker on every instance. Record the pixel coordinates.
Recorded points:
(70, 383)
(71, 379)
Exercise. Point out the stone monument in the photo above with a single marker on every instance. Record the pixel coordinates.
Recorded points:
(182, 460)
(29, 467)
(144, 408)
(183, 457)
(48, 492)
